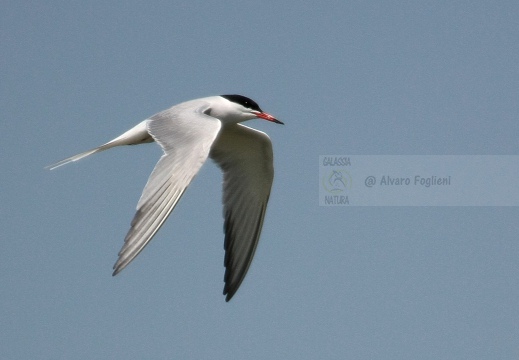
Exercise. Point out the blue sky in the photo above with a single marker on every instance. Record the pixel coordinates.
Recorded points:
(346, 77)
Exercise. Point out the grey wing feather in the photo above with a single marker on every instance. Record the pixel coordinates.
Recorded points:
(245, 156)
(186, 135)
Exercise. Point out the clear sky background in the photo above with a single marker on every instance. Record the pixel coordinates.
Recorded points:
(346, 77)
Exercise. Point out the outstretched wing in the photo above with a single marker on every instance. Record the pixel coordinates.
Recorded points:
(185, 134)
(245, 157)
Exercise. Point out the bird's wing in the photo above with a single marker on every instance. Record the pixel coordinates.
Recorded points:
(245, 156)
(185, 134)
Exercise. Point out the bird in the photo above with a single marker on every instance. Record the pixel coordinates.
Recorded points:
(188, 134)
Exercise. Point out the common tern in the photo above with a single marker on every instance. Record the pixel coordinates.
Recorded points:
(189, 133)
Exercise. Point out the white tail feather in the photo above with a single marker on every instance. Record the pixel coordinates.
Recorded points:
(136, 135)
(76, 157)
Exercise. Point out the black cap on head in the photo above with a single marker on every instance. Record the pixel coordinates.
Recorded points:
(243, 101)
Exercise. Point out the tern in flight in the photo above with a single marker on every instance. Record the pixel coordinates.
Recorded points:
(189, 133)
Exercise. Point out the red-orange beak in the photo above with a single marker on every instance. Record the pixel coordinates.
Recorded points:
(267, 117)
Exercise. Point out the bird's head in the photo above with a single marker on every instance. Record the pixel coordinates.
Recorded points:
(238, 108)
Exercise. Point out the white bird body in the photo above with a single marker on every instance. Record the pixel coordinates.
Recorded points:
(189, 133)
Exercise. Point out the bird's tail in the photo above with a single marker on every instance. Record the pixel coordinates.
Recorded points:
(78, 156)
(136, 135)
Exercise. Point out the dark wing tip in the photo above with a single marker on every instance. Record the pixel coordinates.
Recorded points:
(229, 291)
(116, 271)
(233, 283)
(229, 294)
